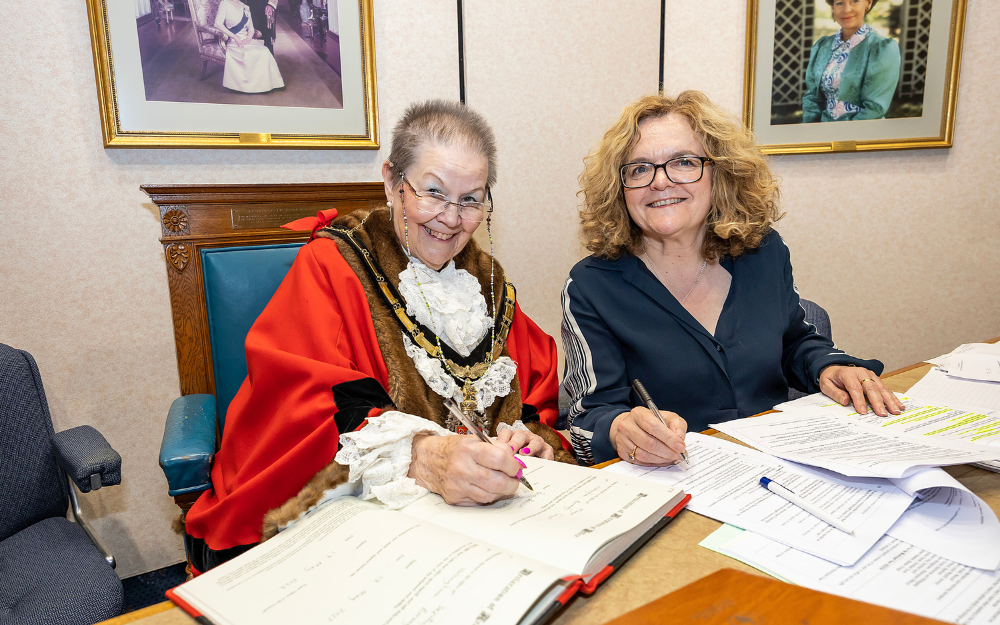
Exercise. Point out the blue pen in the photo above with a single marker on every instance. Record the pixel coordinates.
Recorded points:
(794, 499)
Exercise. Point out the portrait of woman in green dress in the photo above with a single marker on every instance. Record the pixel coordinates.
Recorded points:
(853, 73)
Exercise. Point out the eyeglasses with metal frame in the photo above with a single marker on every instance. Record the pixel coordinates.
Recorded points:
(680, 170)
(433, 204)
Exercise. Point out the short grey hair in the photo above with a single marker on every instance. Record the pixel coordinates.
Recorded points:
(443, 123)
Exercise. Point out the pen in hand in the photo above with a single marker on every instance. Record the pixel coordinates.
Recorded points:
(795, 500)
(640, 390)
(469, 425)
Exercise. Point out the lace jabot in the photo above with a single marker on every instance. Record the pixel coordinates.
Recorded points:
(459, 317)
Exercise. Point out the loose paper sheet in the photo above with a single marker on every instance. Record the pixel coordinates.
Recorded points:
(938, 387)
(934, 418)
(823, 436)
(717, 539)
(952, 523)
(982, 367)
(723, 482)
(816, 399)
(930, 420)
(967, 349)
(893, 574)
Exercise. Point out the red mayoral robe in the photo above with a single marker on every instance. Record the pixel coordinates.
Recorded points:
(283, 426)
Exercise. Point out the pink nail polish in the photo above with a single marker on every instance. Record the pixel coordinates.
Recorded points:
(526, 450)
(520, 462)
(512, 448)
(520, 472)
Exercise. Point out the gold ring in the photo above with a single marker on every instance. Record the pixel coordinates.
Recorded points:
(867, 380)
(631, 455)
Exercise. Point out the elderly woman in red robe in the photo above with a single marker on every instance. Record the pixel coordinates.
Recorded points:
(384, 316)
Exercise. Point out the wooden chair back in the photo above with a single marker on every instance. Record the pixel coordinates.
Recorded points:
(197, 217)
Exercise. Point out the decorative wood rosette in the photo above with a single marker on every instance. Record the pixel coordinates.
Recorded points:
(175, 220)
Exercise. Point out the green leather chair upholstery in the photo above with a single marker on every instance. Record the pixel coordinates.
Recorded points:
(239, 282)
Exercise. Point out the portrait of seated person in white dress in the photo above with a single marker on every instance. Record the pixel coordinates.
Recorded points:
(250, 66)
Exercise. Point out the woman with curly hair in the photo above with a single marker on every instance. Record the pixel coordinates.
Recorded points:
(689, 289)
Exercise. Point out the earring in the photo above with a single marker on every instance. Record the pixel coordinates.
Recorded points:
(489, 233)
(493, 294)
(406, 234)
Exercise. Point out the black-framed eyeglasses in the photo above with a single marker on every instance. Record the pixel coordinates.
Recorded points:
(680, 170)
(433, 204)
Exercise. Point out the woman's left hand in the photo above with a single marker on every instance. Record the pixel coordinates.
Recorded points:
(526, 443)
(846, 385)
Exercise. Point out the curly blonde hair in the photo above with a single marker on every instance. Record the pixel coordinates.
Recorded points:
(744, 192)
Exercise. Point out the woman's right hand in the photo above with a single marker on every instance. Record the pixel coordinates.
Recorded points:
(464, 470)
(640, 438)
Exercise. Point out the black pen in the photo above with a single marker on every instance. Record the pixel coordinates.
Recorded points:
(640, 390)
(469, 425)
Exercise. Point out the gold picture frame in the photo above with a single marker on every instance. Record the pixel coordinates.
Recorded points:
(129, 119)
(931, 32)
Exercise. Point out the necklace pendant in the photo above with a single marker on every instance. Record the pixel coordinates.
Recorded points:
(469, 403)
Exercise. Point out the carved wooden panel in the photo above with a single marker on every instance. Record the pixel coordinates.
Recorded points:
(178, 255)
(194, 217)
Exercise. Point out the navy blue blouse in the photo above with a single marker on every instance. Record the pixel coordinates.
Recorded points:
(620, 323)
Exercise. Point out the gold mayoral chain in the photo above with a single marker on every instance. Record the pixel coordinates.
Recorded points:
(464, 375)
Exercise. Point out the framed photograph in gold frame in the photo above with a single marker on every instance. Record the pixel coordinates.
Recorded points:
(235, 73)
(852, 75)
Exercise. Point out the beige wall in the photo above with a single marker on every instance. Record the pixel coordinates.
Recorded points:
(899, 246)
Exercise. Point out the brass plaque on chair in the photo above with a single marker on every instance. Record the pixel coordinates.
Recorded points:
(268, 217)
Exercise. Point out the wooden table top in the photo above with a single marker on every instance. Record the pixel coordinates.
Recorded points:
(669, 561)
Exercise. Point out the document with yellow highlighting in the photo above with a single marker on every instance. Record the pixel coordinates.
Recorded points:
(932, 420)
(840, 440)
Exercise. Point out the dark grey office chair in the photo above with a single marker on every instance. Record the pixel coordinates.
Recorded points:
(816, 315)
(52, 570)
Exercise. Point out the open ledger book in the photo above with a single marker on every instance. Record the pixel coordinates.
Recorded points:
(514, 561)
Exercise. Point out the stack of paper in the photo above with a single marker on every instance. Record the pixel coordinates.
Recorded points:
(939, 387)
(972, 361)
(724, 483)
(893, 574)
(921, 542)
(928, 509)
(970, 377)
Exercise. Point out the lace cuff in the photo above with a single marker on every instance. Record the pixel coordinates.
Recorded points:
(379, 455)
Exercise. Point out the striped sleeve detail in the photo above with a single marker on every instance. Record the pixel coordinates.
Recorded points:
(579, 379)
